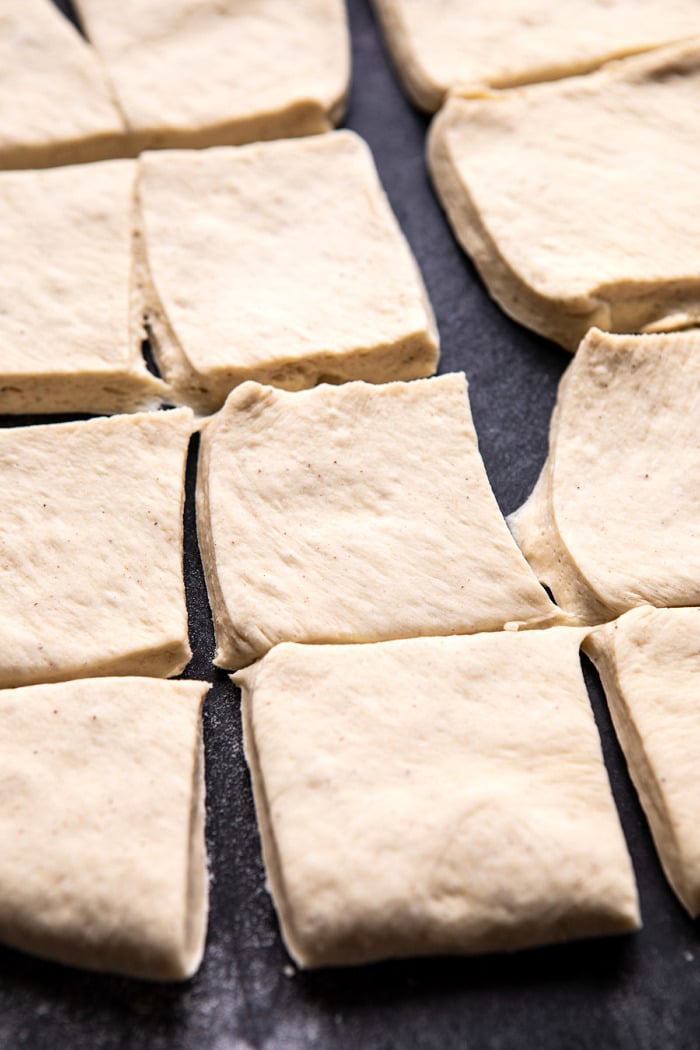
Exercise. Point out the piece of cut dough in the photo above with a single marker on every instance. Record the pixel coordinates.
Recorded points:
(351, 514)
(302, 273)
(67, 343)
(614, 520)
(477, 817)
(448, 43)
(102, 823)
(56, 105)
(192, 73)
(91, 548)
(577, 200)
(649, 663)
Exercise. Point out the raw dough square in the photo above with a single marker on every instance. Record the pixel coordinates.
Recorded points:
(91, 548)
(56, 105)
(66, 343)
(436, 795)
(614, 520)
(191, 73)
(649, 662)
(300, 270)
(578, 200)
(103, 862)
(448, 43)
(352, 514)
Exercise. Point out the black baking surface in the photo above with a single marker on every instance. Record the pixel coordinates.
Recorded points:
(633, 992)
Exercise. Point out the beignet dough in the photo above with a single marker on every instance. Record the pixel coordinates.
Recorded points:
(577, 200)
(302, 271)
(649, 662)
(614, 520)
(351, 514)
(66, 343)
(103, 860)
(477, 817)
(448, 43)
(91, 548)
(192, 73)
(56, 105)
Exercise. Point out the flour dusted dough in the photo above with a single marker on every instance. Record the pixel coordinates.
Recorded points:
(55, 102)
(351, 514)
(191, 73)
(102, 823)
(67, 343)
(649, 662)
(301, 273)
(447, 43)
(433, 795)
(614, 520)
(577, 200)
(91, 548)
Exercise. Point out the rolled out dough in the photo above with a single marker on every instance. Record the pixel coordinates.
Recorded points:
(577, 200)
(614, 520)
(302, 273)
(473, 815)
(91, 548)
(351, 514)
(102, 823)
(649, 662)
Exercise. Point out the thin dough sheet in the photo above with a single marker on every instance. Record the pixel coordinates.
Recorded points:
(351, 514)
(577, 200)
(102, 824)
(432, 796)
(614, 520)
(302, 273)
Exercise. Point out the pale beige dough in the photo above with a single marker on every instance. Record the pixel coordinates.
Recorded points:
(649, 662)
(577, 200)
(91, 548)
(448, 43)
(103, 862)
(352, 514)
(614, 520)
(68, 341)
(435, 795)
(192, 73)
(301, 271)
(56, 106)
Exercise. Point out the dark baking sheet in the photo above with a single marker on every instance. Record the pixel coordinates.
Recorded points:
(635, 993)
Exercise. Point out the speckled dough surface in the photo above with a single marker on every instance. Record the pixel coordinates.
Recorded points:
(448, 43)
(302, 270)
(577, 200)
(56, 105)
(91, 548)
(262, 70)
(67, 342)
(104, 861)
(322, 518)
(649, 661)
(491, 825)
(614, 519)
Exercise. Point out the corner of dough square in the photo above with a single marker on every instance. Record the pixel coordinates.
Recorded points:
(441, 46)
(433, 796)
(577, 200)
(192, 73)
(613, 520)
(66, 338)
(302, 273)
(104, 860)
(56, 105)
(91, 534)
(354, 513)
(649, 663)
